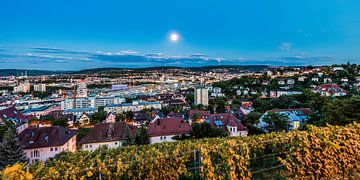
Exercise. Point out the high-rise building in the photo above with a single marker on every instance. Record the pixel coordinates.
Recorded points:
(22, 87)
(201, 96)
(82, 89)
(40, 87)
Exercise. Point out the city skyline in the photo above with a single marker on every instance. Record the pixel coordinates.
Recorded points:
(81, 35)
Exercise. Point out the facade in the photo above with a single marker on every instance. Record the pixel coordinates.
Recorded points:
(40, 87)
(40, 111)
(22, 87)
(110, 118)
(201, 96)
(43, 143)
(134, 106)
(80, 103)
(80, 111)
(82, 90)
(109, 135)
(277, 93)
(97, 102)
(164, 130)
(216, 92)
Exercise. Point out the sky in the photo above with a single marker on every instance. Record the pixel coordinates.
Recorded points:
(83, 34)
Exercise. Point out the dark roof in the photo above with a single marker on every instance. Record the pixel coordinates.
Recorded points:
(13, 114)
(106, 132)
(45, 137)
(168, 126)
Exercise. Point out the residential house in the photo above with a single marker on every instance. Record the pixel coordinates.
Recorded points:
(43, 143)
(13, 115)
(329, 90)
(110, 118)
(84, 120)
(296, 117)
(165, 130)
(110, 135)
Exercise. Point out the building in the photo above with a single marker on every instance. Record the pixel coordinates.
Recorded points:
(296, 117)
(110, 118)
(165, 130)
(40, 87)
(83, 120)
(201, 96)
(97, 102)
(40, 111)
(80, 103)
(108, 135)
(13, 115)
(43, 143)
(134, 106)
(80, 111)
(216, 92)
(22, 87)
(82, 90)
(277, 93)
(227, 121)
(329, 90)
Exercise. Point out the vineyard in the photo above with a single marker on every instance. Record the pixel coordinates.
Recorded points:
(316, 153)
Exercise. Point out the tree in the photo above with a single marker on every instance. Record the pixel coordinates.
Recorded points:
(205, 130)
(142, 138)
(98, 116)
(276, 122)
(60, 122)
(10, 149)
(128, 140)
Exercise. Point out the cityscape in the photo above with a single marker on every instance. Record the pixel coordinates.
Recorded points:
(74, 106)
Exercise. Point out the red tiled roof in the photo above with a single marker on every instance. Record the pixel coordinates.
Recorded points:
(45, 137)
(168, 126)
(106, 132)
(12, 113)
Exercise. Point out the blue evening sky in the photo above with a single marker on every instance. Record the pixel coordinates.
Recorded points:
(80, 34)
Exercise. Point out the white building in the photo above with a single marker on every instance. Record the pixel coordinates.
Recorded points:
(43, 143)
(216, 92)
(201, 96)
(22, 87)
(164, 130)
(40, 87)
(82, 90)
(134, 106)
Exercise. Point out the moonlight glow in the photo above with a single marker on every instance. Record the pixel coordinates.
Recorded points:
(174, 37)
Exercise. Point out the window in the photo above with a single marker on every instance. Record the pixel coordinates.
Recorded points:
(116, 143)
(51, 149)
(90, 146)
(56, 149)
(86, 146)
(36, 153)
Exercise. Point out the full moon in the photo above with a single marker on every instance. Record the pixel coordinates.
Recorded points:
(174, 37)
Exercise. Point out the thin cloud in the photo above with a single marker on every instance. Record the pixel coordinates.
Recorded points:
(285, 46)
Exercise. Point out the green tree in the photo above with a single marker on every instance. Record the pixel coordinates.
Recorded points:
(10, 149)
(205, 130)
(98, 117)
(276, 122)
(142, 137)
(128, 140)
(60, 122)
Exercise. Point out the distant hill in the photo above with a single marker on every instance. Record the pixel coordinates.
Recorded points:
(18, 72)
